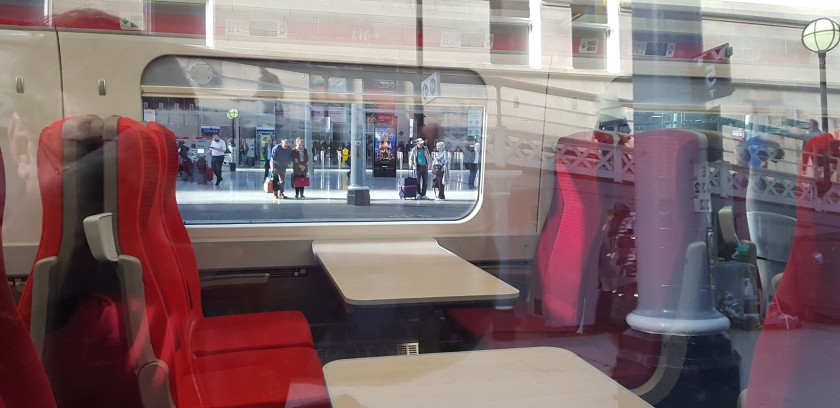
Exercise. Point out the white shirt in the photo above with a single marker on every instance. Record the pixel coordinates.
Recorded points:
(217, 144)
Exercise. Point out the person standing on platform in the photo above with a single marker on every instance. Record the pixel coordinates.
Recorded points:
(281, 157)
(345, 154)
(418, 160)
(185, 164)
(243, 154)
(469, 162)
(217, 156)
(250, 155)
(183, 150)
(300, 164)
(473, 182)
(267, 154)
(332, 148)
(440, 168)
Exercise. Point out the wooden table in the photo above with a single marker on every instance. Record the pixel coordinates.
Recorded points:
(524, 377)
(407, 272)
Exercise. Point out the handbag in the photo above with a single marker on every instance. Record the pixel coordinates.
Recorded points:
(301, 182)
(268, 185)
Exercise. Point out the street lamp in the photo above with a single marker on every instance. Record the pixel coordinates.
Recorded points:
(821, 36)
(232, 114)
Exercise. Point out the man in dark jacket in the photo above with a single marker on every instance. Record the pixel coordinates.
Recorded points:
(269, 146)
(281, 157)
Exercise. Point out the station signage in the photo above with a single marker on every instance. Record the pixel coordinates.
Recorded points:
(430, 88)
(712, 68)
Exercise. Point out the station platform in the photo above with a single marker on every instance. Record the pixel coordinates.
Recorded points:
(240, 199)
(245, 185)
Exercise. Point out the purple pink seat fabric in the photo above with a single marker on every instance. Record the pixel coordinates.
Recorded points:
(564, 285)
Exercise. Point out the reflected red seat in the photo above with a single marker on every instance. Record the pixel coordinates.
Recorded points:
(24, 382)
(564, 286)
(797, 357)
(176, 259)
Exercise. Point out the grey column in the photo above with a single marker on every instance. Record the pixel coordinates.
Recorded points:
(357, 193)
(307, 130)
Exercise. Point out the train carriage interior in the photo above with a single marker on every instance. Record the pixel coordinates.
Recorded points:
(415, 203)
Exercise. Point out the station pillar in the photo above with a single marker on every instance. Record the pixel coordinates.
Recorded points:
(357, 192)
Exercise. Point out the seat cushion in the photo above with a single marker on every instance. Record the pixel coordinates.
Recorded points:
(289, 377)
(252, 331)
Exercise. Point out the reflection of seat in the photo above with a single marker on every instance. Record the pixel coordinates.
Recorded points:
(793, 365)
(565, 285)
(564, 289)
(215, 334)
(24, 382)
(773, 237)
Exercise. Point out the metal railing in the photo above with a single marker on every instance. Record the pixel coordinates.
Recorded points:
(617, 164)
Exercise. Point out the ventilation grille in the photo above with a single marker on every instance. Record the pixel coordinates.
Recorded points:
(367, 350)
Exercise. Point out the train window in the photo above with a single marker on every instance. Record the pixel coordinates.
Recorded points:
(660, 180)
(359, 126)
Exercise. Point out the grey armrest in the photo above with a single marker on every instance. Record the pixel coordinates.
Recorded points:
(100, 237)
(42, 276)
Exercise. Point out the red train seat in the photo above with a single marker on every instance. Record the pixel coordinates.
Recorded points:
(159, 316)
(252, 331)
(71, 303)
(25, 383)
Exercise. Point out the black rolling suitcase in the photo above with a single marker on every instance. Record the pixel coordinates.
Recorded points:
(408, 187)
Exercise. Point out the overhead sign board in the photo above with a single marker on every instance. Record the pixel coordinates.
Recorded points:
(712, 67)
(430, 88)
